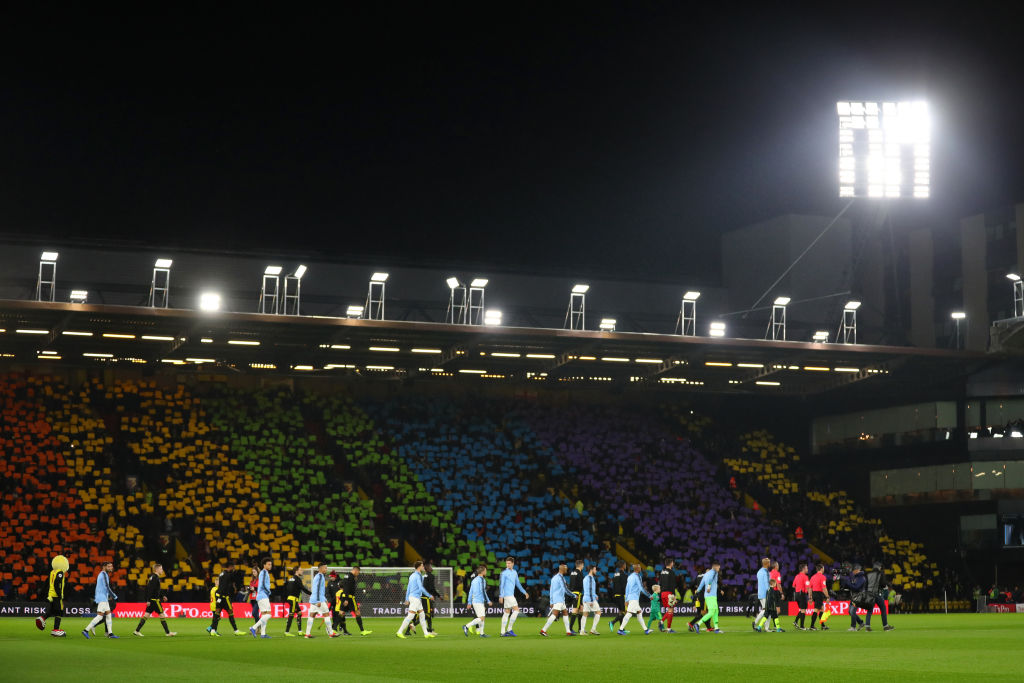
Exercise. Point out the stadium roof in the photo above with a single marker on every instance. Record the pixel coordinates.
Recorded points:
(97, 334)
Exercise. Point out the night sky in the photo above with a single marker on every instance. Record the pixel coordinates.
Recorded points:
(622, 140)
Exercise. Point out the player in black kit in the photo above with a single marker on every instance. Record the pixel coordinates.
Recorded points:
(228, 586)
(293, 590)
(430, 585)
(576, 588)
(619, 579)
(154, 602)
(347, 602)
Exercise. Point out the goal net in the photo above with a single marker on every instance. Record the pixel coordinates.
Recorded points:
(380, 591)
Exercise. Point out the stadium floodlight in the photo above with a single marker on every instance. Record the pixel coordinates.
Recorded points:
(851, 305)
(354, 311)
(848, 325)
(607, 324)
(1018, 294)
(716, 329)
(820, 336)
(458, 302)
(957, 316)
(777, 325)
(160, 285)
(884, 149)
(209, 301)
(78, 296)
(687, 321)
(375, 296)
(576, 314)
(291, 301)
(492, 317)
(475, 300)
(46, 281)
(270, 290)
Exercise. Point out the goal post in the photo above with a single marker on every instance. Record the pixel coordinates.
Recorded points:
(380, 591)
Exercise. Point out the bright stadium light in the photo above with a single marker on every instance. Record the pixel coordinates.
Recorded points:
(78, 296)
(379, 277)
(49, 256)
(820, 336)
(492, 317)
(273, 270)
(716, 329)
(851, 305)
(691, 296)
(607, 324)
(354, 312)
(957, 316)
(163, 263)
(453, 282)
(479, 282)
(299, 272)
(209, 301)
(580, 289)
(884, 149)
(782, 301)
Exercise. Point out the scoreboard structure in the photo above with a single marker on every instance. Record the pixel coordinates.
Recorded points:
(884, 149)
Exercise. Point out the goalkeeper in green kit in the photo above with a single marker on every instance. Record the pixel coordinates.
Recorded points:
(655, 609)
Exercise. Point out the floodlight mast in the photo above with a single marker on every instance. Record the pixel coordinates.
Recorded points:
(957, 316)
(46, 280)
(1018, 294)
(777, 325)
(847, 333)
(687, 321)
(375, 296)
(160, 286)
(575, 316)
(270, 289)
(292, 300)
(476, 300)
(458, 303)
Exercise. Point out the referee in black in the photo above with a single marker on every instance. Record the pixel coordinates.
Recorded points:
(229, 584)
(293, 590)
(576, 588)
(619, 579)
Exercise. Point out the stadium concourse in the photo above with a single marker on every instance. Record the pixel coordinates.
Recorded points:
(201, 474)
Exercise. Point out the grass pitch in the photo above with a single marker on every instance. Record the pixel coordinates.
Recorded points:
(923, 647)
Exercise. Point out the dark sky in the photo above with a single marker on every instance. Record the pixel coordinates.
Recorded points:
(591, 137)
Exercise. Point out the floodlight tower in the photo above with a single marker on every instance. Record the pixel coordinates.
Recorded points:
(1018, 294)
(575, 317)
(476, 300)
(160, 287)
(848, 327)
(270, 289)
(293, 291)
(46, 281)
(957, 316)
(777, 325)
(874, 141)
(687, 323)
(375, 296)
(458, 302)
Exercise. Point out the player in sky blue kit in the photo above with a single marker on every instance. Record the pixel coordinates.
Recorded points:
(319, 606)
(557, 601)
(263, 587)
(103, 597)
(414, 594)
(508, 584)
(709, 584)
(590, 602)
(476, 599)
(634, 589)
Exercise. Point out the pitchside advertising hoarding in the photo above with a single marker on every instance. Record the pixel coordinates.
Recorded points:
(841, 607)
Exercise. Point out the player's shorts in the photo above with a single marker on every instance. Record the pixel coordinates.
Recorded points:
(263, 605)
(509, 602)
(594, 606)
(153, 607)
(801, 600)
(293, 605)
(316, 610)
(415, 605)
(819, 599)
(55, 608)
(558, 606)
(666, 600)
(223, 603)
(103, 606)
(479, 610)
(347, 604)
(633, 606)
(617, 600)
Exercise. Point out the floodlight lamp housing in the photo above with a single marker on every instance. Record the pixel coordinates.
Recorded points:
(209, 301)
(299, 272)
(79, 296)
(852, 305)
(691, 296)
(163, 263)
(453, 283)
(479, 282)
(273, 270)
(48, 256)
(1013, 276)
(782, 301)
(958, 315)
(379, 277)
(580, 289)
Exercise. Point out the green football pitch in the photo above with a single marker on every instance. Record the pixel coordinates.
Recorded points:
(923, 647)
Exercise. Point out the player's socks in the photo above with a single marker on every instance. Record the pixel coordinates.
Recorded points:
(328, 626)
(167, 630)
(568, 624)
(423, 625)
(288, 625)
(109, 621)
(547, 624)
(814, 618)
(583, 623)
(142, 622)
(504, 621)
(405, 623)
(56, 623)
(625, 620)
(512, 619)
(593, 626)
(95, 622)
